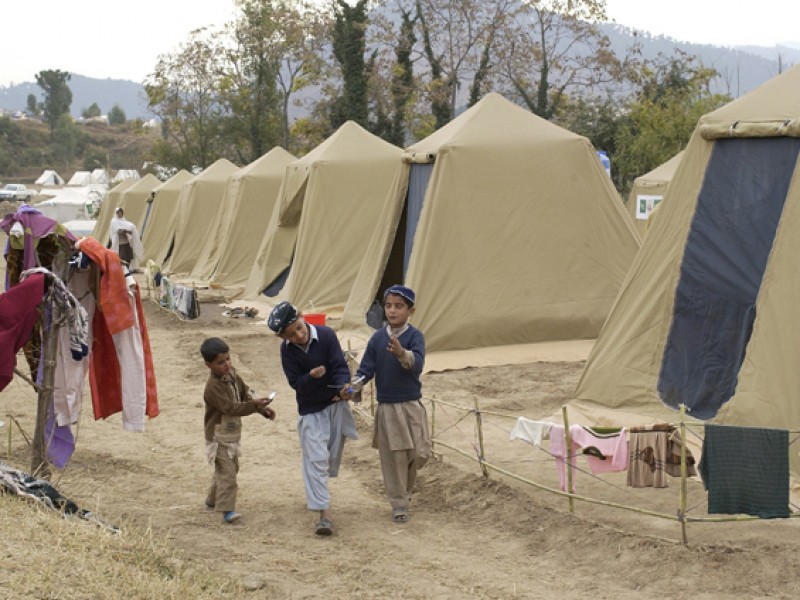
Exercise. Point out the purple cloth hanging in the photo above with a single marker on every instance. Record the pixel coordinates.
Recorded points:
(36, 226)
(59, 438)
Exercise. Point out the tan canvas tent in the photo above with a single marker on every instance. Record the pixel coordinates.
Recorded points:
(194, 216)
(249, 201)
(102, 228)
(269, 167)
(329, 204)
(707, 317)
(508, 229)
(648, 190)
(134, 200)
(158, 226)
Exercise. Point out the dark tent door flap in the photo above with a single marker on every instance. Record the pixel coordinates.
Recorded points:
(729, 242)
(418, 179)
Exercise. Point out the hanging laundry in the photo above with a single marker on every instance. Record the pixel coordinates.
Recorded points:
(655, 452)
(18, 314)
(121, 373)
(605, 453)
(76, 315)
(70, 374)
(186, 304)
(746, 471)
(531, 431)
(32, 225)
(33, 240)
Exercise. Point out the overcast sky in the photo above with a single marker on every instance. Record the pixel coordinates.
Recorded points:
(98, 38)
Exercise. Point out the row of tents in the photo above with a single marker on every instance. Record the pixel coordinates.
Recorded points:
(506, 225)
(51, 178)
(510, 231)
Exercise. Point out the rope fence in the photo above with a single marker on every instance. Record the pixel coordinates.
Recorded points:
(438, 410)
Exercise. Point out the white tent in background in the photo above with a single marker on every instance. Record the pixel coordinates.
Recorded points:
(80, 178)
(126, 174)
(49, 178)
(100, 176)
(67, 204)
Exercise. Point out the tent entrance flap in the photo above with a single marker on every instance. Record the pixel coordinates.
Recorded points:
(729, 242)
(394, 271)
(419, 176)
(274, 288)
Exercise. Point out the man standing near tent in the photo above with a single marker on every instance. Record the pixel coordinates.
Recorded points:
(125, 239)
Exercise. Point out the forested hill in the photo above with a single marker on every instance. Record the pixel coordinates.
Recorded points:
(129, 95)
(741, 69)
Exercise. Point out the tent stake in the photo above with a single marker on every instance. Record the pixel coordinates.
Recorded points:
(479, 422)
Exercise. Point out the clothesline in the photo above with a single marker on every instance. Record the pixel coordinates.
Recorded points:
(772, 505)
(690, 424)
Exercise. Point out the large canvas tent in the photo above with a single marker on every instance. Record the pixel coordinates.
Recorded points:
(507, 227)
(648, 190)
(329, 204)
(158, 224)
(134, 199)
(198, 203)
(102, 229)
(244, 215)
(708, 314)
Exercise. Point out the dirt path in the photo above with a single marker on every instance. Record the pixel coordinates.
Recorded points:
(467, 538)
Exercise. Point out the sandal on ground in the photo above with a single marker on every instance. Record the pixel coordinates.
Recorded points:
(323, 527)
(231, 517)
(400, 515)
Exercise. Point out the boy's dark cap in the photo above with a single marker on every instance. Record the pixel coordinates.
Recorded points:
(403, 291)
(283, 315)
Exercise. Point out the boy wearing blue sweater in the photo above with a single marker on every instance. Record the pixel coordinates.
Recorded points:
(315, 368)
(395, 356)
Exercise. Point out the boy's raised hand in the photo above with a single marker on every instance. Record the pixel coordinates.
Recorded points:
(394, 346)
(267, 412)
(317, 372)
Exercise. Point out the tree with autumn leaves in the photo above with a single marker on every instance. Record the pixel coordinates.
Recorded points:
(404, 68)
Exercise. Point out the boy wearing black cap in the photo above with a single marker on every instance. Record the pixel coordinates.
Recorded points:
(315, 368)
(395, 356)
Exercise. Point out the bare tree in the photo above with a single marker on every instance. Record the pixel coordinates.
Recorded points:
(555, 48)
(458, 42)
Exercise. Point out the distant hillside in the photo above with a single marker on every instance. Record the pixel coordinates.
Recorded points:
(741, 70)
(85, 91)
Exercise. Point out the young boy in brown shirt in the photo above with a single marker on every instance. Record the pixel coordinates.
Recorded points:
(227, 400)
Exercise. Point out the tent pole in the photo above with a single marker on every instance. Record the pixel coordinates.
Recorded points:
(568, 465)
(682, 510)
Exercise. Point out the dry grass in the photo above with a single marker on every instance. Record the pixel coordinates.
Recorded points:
(47, 556)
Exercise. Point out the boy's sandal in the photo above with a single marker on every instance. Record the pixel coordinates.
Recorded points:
(324, 527)
(400, 515)
(231, 517)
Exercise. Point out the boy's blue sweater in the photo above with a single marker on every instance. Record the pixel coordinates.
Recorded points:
(314, 395)
(393, 383)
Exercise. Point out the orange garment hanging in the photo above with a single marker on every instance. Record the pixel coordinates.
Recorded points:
(114, 314)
